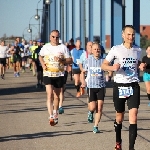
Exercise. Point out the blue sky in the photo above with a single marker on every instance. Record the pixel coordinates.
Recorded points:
(15, 16)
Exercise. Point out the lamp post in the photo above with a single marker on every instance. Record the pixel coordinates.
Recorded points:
(30, 29)
(23, 32)
(48, 2)
(37, 17)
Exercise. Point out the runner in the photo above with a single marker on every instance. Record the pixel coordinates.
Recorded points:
(24, 56)
(30, 55)
(84, 56)
(126, 87)
(34, 56)
(145, 66)
(61, 109)
(76, 54)
(52, 57)
(38, 65)
(95, 83)
(16, 58)
(3, 55)
(70, 46)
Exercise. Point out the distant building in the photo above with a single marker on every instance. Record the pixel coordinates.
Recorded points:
(10, 40)
(145, 30)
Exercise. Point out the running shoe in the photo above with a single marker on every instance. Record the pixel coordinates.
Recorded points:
(55, 118)
(118, 146)
(38, 86)
(78, 94)
(90, 117)
(95, 130)
(61, 110)
(51, 121)
(17, 75)
(2, 76)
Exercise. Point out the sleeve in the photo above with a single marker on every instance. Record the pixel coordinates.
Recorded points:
(41, 53)
(111, 55)
(82, 57)
(85, 65)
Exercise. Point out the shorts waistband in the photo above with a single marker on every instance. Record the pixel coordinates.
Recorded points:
(126, 84)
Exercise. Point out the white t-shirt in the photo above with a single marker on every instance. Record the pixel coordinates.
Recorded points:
(54, 68)
(128, 60)
(8, 52)
(3, 51)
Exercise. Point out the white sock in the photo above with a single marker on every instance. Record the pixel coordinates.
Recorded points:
(51, 116)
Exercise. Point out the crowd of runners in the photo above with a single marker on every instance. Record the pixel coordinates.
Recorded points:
(52, 63)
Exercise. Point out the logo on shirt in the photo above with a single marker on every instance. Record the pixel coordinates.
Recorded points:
(129, 66)
(95, 71)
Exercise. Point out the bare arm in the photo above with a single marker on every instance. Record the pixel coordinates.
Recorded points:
(81, 67)
(42, 62)
(106, 66)
(83, 79)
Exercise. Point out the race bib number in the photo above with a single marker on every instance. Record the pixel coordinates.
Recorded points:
(125, 92)
(78, 61)
(22, 55)
(53, 74)
(95, 71)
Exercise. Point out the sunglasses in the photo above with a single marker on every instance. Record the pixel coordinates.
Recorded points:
(55, 37)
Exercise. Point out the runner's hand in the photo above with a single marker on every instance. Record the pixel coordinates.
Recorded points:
(142, 66)
(115, 67)
(44, 67)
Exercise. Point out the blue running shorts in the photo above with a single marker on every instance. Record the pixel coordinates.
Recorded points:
(146, 77)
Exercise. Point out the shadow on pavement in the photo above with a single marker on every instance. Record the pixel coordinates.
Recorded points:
(40, 135)
(23, 110)
(17, 90)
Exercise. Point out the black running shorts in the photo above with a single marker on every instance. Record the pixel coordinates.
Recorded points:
(57, 82)
(3, 61)
(95, 94)
(76, 71)
(133, 101)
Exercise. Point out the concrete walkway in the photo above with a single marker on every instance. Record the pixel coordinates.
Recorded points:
(24, 120)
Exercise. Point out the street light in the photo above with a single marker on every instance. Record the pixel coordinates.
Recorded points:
(47, 1)
(23, 32)
(37, 17)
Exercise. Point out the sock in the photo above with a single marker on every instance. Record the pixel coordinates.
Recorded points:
(77, 87)
(148, 95)
(23, 67)
(132, 135)
(54, 111)
(51, 116)
(118, 128)
(91, 112)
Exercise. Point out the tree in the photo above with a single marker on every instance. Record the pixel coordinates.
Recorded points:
(143, 41)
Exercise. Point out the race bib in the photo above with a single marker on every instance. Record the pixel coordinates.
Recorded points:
(95, 71)
(53, 74)
(78, 61)
(125, 92)
(22, 55)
